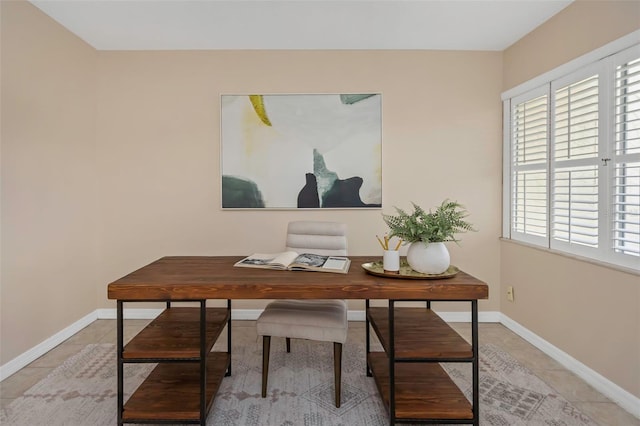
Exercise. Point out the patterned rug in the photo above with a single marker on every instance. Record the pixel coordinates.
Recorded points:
(82, 391)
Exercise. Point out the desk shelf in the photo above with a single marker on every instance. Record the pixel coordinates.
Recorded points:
(183, 380)
(175, 335)
(172, 392)
(419, 334)
(420, 390)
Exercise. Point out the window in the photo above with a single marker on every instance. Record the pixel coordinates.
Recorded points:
(573, 169)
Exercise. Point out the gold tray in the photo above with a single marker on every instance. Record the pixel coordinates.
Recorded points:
(375, 268)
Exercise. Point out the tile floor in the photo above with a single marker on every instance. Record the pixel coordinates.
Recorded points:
(567, 384)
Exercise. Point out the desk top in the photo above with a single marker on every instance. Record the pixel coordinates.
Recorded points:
(215, 277)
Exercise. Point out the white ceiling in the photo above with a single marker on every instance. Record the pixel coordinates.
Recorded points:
(300, 24)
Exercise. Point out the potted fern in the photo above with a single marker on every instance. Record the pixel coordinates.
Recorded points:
(427, 232)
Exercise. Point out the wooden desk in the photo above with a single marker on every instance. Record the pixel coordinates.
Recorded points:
(197, 278)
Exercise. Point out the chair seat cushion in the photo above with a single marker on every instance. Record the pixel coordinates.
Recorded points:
(323, 320)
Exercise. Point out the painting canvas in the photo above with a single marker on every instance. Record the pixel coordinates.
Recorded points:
(301, 151)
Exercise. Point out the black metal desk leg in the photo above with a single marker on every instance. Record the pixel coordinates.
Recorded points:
(228, 373)
(392, 365)
(367, 336)
(476, 363)
(203, 362)
(120, 342)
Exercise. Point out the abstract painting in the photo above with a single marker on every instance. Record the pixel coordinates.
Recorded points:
(301, 151)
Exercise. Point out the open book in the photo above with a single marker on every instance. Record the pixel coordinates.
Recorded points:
(292, 261)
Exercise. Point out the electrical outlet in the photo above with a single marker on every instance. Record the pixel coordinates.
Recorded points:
(510, 293)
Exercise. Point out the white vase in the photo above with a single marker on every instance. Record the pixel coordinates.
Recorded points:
(432, 258)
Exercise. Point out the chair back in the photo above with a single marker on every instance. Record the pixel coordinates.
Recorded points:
(325, 238)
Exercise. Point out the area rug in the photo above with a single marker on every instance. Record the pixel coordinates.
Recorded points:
(82, 391)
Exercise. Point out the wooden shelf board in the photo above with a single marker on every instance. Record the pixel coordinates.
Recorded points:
(172, 391)
(419, 333)
(175, 334)
(422, 390)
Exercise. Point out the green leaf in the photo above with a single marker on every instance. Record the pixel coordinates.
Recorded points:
(442, 225)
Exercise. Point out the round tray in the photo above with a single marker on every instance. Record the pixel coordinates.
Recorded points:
(375, 268)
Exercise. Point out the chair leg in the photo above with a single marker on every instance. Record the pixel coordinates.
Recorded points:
(337, 370)
(266, 346)
(288, 339)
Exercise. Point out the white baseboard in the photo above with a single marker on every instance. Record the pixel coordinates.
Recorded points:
(37, 351)
(623, 398)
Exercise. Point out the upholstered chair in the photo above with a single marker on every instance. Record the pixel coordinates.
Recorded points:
(320, 320)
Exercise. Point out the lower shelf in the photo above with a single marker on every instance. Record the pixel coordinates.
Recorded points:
(175, 334)
(171, 393)
(423, 390)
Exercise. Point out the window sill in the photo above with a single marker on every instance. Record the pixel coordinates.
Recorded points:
(574, 257)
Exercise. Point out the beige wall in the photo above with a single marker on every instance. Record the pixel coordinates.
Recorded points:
(590, 312)
(159, 143)
(580, 28)
(49, 214)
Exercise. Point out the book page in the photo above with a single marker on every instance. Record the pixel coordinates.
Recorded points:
(285, 258)
(335, 263)
(268, 260)
(310, 260)
(321, 263)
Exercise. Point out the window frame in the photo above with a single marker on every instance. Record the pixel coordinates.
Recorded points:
(603, 63)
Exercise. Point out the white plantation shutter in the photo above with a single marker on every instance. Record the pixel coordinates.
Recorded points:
(572, 161)
(575, 205)
(529, 119)
(575, 179)
(626, 160)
